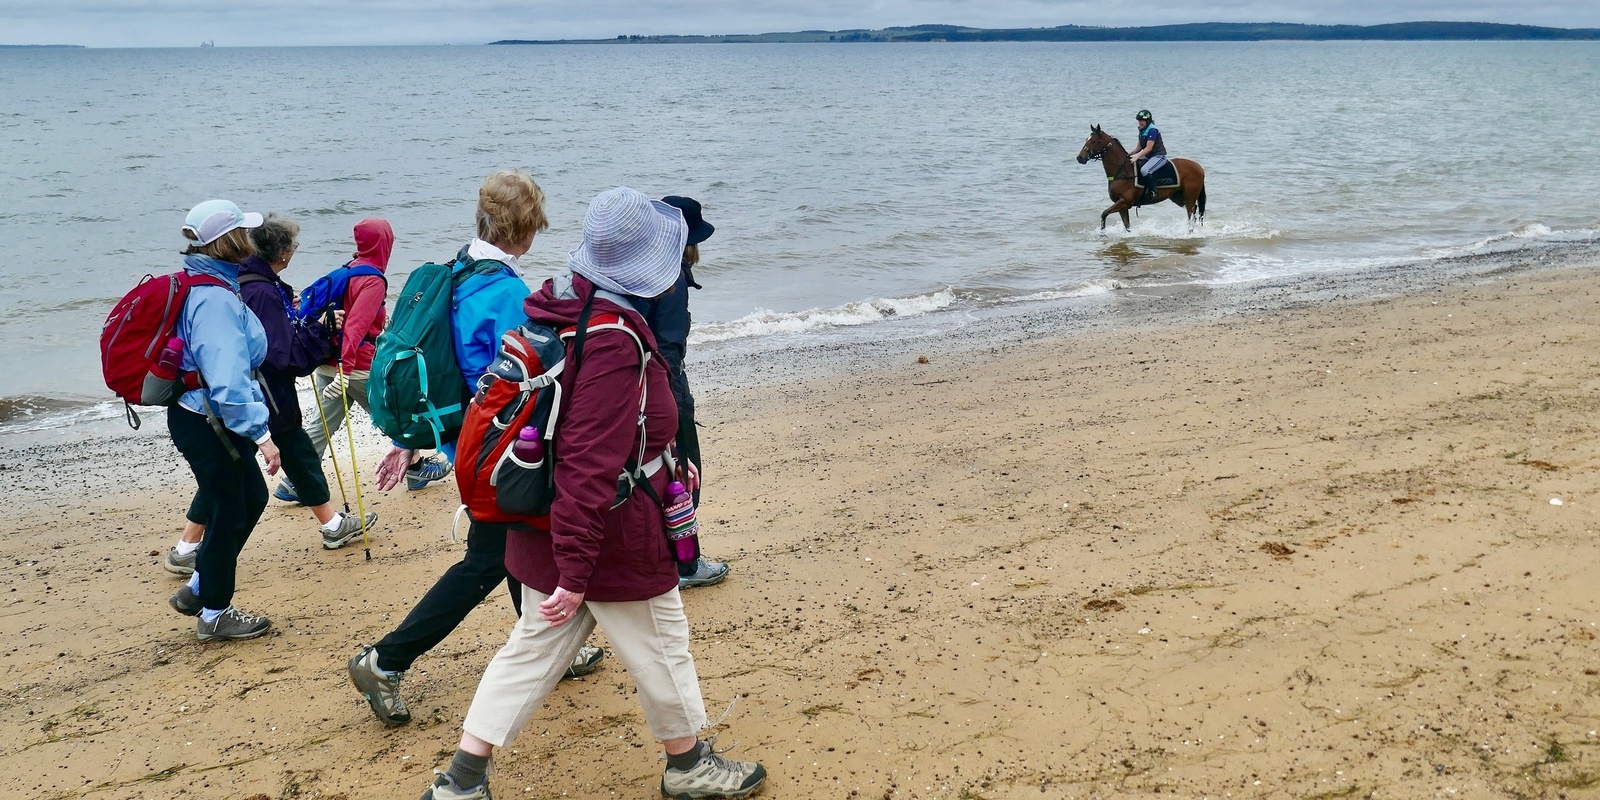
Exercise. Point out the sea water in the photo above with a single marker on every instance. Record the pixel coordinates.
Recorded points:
(851, 185)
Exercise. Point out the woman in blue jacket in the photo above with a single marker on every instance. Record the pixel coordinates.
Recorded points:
(220, 426)
(294, 350)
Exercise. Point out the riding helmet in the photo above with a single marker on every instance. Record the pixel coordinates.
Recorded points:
(1143, 115)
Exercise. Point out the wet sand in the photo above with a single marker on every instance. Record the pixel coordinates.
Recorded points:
(1306, 552)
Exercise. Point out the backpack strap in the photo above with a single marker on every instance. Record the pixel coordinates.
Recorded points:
(366, 270)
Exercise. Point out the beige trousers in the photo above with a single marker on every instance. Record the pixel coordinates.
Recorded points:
(650, 638)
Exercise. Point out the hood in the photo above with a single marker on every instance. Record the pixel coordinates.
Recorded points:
(216, 268)
(374, 242)
(256, 265)
(560, 300)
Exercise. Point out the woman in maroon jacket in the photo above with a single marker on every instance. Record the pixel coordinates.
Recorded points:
(603, 563)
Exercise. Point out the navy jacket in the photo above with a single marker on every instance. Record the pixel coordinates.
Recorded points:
(293, 351)
(668, 318)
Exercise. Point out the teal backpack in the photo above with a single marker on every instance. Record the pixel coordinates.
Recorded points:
(416, 390)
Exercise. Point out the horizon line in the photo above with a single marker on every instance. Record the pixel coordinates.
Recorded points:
(925, 27)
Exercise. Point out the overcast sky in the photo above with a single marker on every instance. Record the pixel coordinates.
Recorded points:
(184, 23)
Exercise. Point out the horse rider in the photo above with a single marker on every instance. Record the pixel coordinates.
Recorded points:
(1151, 148)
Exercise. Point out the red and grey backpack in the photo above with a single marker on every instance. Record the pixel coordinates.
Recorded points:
(137, 329)
(522, 388)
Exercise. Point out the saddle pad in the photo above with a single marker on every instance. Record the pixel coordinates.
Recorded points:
(1166, 175)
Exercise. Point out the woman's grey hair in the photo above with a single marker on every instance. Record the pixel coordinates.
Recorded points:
(276, 237)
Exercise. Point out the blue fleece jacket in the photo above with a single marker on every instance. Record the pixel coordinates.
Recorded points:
(485, 307)
(225, 343)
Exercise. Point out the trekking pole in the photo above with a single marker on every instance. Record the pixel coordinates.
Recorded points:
(333, 452)
(355, 469)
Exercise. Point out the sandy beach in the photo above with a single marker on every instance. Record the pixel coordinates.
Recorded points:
(1343, 550)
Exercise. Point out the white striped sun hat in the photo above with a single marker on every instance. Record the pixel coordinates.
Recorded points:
(631, 244)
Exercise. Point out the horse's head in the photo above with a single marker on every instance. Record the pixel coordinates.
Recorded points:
(1095, 146)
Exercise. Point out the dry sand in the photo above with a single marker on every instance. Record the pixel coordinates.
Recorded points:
(1309, 554)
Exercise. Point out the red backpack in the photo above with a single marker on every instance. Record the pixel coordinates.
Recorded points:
(134, 335)
(522, 388)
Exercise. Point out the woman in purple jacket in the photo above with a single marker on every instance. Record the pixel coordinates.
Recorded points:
(293, 351)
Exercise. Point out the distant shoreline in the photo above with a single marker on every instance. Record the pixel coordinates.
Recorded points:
(41, 47)
(1193, 32)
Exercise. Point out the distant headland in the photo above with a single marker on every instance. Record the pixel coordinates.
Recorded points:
(1194, 32)
(41, 46)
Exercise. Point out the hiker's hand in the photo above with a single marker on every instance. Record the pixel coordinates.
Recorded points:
(338, 319)
(561, 607)
(393, 467)
(691, 476)
(269, 453)
(335, 388)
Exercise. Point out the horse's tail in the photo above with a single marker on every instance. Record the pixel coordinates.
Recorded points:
(1200, 203)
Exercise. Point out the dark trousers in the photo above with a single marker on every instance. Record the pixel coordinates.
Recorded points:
(228, 502)
(300, 465)
(459, 590)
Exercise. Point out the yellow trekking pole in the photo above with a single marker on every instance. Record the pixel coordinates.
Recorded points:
(355, 470)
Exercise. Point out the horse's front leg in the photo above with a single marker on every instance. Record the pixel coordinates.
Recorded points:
(1126, 225)
(1119, 207)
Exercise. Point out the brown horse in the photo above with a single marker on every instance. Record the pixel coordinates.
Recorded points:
(1189, 193)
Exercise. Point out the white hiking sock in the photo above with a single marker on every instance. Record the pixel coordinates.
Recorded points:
(185, 548)
(334, 523)
(194, 582)
(210, 614)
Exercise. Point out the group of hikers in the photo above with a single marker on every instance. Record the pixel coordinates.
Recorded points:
(601, 556)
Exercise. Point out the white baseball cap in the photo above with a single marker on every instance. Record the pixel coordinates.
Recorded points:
(210, 220)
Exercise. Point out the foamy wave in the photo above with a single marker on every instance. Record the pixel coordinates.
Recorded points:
(767, 323)
(1247, 268)
(30, 420)
(1168, 226)
(1086, 290)
(1532, 230)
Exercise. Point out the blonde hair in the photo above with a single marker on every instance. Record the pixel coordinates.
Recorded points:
(510, 209)
(234, 246)
(691, 255)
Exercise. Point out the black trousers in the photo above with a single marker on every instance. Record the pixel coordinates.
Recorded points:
(228, 502)
(459, 590)
(300, 465)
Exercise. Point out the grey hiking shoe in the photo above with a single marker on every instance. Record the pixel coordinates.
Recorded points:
(706, 573)
(587, 661)
(713, 776)
(349, 528)
(445, 789)
(185, 601)
(231, 624)
(179, 565)
(382, 689)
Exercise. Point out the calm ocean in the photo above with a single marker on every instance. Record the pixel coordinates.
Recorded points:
(850, 184)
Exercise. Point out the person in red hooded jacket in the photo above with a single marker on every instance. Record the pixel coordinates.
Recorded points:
(605, 562)
(343, 379)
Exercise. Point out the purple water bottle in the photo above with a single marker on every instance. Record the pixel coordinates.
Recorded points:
(528, 448)
(169, 361)
(683, 530)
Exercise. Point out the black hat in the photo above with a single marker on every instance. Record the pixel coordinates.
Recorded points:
(699, 229)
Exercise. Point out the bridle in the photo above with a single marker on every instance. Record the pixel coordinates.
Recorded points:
(1097, 155)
